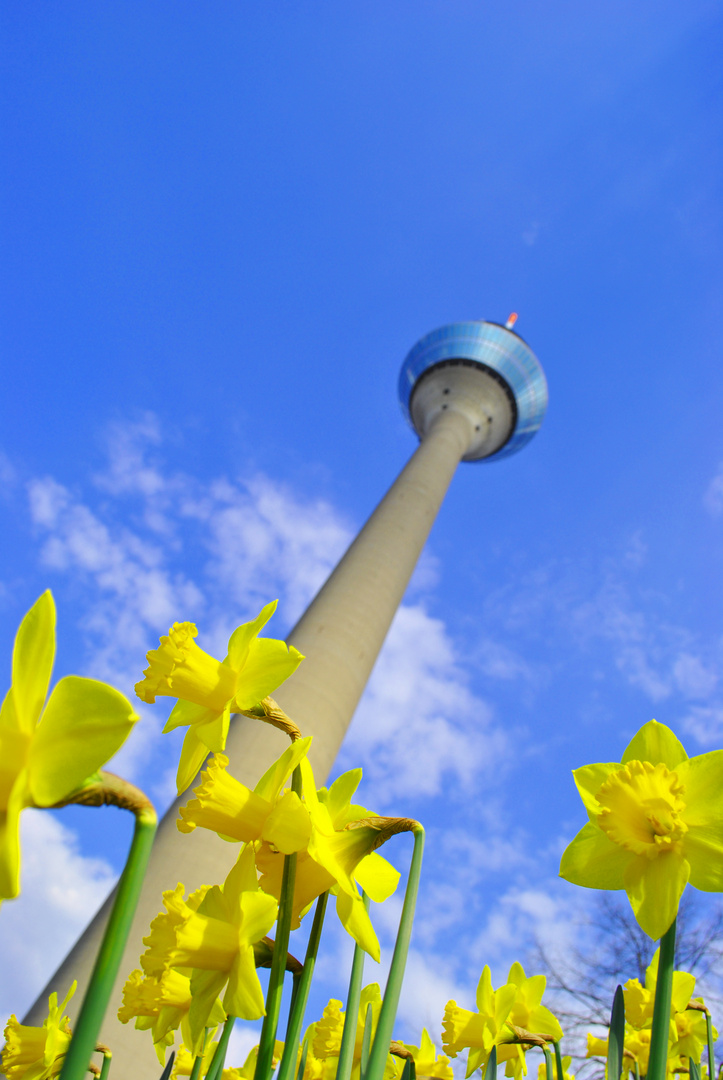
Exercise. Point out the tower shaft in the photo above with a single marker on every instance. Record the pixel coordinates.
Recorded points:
(340, 635)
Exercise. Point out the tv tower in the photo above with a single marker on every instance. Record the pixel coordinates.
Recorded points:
(472, 391)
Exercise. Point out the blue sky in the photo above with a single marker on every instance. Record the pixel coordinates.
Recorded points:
(224, 227)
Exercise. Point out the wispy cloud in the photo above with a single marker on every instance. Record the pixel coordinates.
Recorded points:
(713, 496)
(61, 890)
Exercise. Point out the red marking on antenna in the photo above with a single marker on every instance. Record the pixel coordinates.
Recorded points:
(511, 321)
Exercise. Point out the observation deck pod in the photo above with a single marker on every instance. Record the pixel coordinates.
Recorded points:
(484, 370)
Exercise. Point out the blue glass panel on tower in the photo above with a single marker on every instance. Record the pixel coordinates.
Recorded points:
(495, 350)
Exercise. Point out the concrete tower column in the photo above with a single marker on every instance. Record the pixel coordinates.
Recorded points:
(462, 407)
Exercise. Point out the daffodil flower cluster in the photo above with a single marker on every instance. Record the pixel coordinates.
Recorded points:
(37, 1053)
(332, 838)
(503, 1019)
(687, 1033)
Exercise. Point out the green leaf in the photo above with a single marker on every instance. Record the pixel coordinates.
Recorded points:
(616, 1039)
(169, 1066)
(491, 1066)
(409, 1072)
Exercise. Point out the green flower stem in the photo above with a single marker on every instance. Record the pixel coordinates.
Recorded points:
(348, 1036)
(198, 1060)
(105, 1067)
(558, 1060)
(637, 1070)
(217, 1062)
(264, 1061)
(388, 1013)
(107, 963)
(711, 1056)
(301, 994)
(549, 1067)
(197, 1063)
(661, 1009)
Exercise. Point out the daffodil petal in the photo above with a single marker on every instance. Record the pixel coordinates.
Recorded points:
(544, 1021)
(205, 988)
(244, 997)
(485, 994)
(10, 840)
(33, 657)
(706, 862)
(589, 779)
(682, 992)
(594, 861)
(277, 774)
(657, 744)
(534, 989)
(84, 723)
(187, 712)
(654, 888)
(703, 843)
(258, 913)
(14, 746)
(268, 664)
(241, 877)
(243, 636)
(288, 826)
(355, 920)
(340, 795)
(213, 732)
(377, 877)
(193, 755)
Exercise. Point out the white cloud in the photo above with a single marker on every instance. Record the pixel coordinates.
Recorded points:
(418, 725)
(61, 890)
(713, 497)
(694, 679)
(705, 723)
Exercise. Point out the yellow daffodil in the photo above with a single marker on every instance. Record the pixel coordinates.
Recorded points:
(183, 1062)
(229, 808)
(47, 750)
(640, 1000)
(527, 1014)
(161, 1005)
(337, 858)
(482, 1030)
(216, 940)
(326, 1043)
(566, 1074)
(691, 1034)
(209, 690)
(656, 822)
(426, 1062)
(636, 1049)
(37, 1053)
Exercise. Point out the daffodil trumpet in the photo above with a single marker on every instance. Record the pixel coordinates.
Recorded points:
(110, 954)
(300, 997)
(269, 1027)
(380, 1049)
